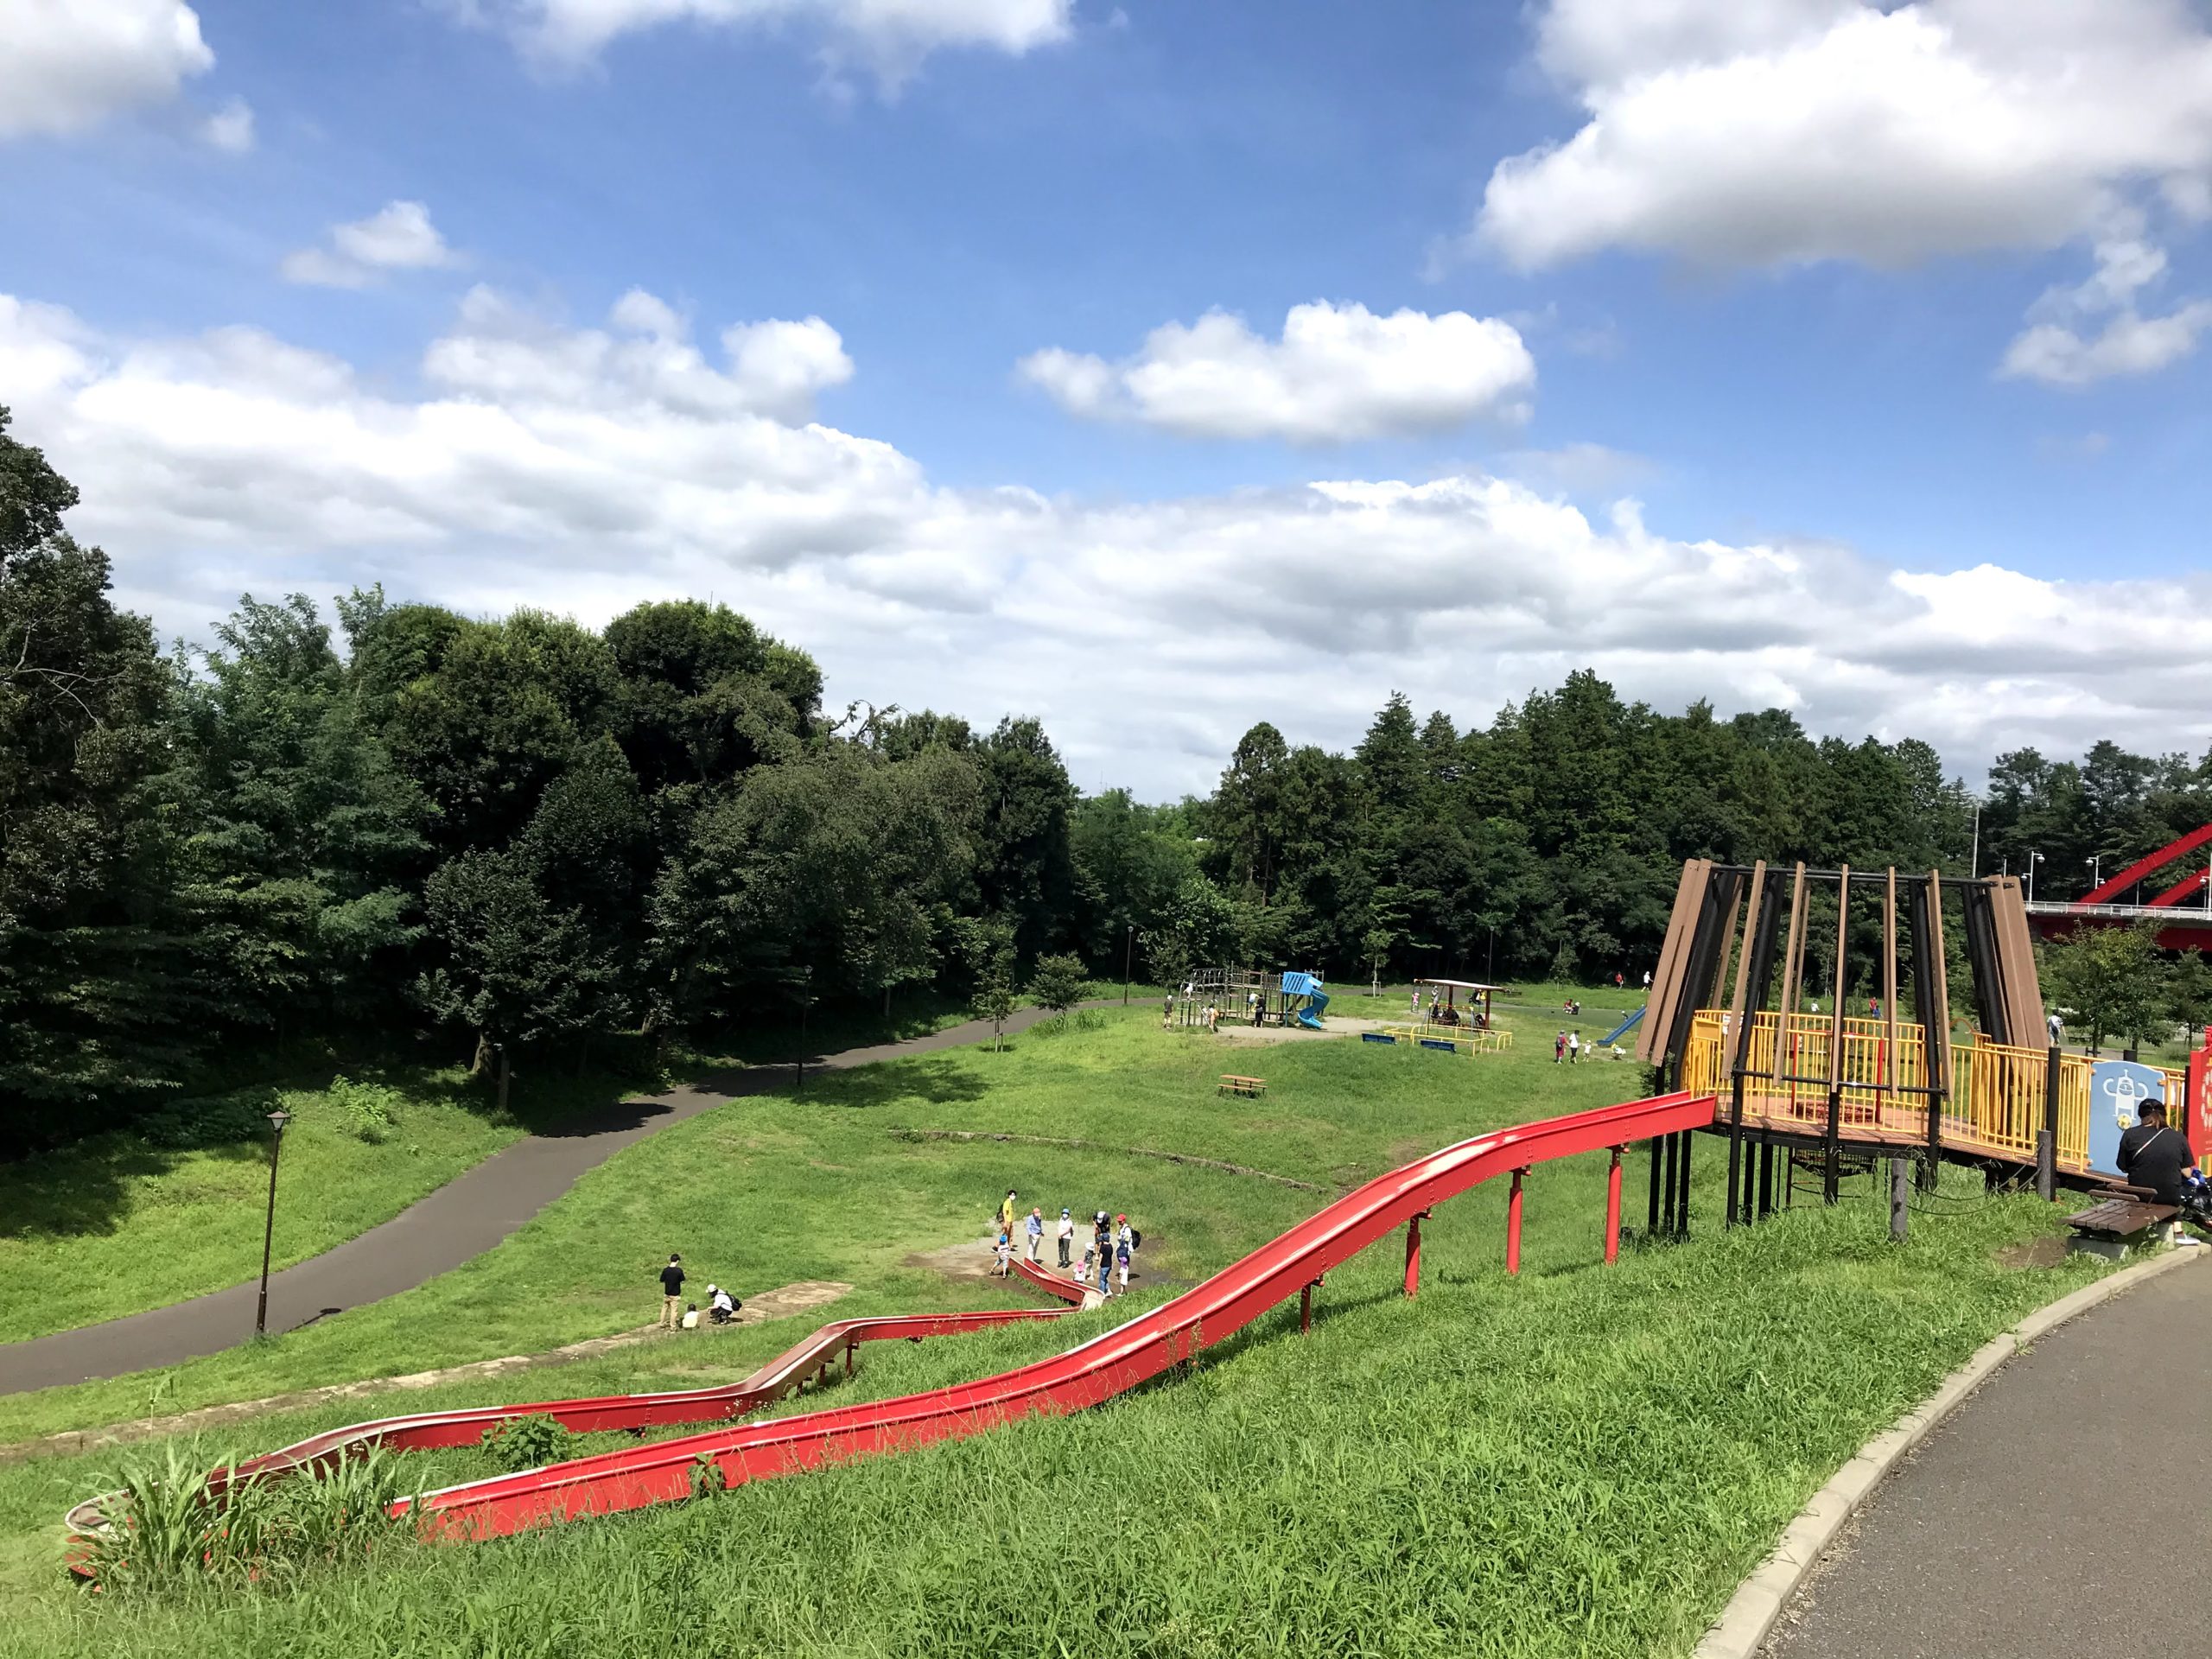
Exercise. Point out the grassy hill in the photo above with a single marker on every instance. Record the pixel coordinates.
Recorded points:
(1578, 1461)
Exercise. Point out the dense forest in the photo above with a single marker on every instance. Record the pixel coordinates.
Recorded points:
(522, 831)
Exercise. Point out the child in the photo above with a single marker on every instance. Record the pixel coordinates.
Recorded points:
(1002, 1257)
(1089, 1256)
(1559, 1048)
(1124, 1244)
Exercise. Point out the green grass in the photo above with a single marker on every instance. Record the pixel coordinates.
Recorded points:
(1576, 1461)
(115, 1224)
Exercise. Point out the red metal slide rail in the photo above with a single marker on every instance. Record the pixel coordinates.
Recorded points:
(2103, 892)
(1106, 1365)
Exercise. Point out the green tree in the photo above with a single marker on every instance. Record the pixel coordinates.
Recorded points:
(1056, 983)
(1026, 869)
(99, 999)
(516, 968)
(306, 849)
(2189, 993)
(2111, 982)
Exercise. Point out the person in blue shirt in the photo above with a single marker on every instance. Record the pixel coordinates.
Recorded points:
(1035, 1227)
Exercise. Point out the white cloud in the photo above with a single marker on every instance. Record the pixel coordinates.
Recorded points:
(397, 236)
(231, 128)
(1339, 373)
(67, 65)
(1768, 132)
(2064, 345)
(2129, 344)
(587, 469)
(890, 37)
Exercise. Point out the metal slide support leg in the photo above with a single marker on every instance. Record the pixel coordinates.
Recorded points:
(1412, 1254)
(1737, 1210)
(1513, 1225)
(851, 1342)
(1651, 1226)
(1672, 1143)
(1832, 1167)
(2046, 1136)
(1682, 1192)
(1305, 1310)
(1766, 1177)
(1613, 1210)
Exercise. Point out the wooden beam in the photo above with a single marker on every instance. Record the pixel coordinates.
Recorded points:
(1673, 956)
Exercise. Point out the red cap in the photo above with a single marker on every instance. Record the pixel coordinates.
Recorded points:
(1121, 1218)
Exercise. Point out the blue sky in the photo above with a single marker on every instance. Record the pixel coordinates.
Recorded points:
(1886, 321)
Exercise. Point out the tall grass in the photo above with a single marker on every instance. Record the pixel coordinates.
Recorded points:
(175, 1526)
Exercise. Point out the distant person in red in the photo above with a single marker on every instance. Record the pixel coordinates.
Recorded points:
(671, 1294)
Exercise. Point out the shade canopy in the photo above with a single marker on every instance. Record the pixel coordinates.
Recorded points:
(1460, 984)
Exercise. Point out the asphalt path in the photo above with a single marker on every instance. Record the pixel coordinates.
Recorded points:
(458, 1222)
(2060, 1511)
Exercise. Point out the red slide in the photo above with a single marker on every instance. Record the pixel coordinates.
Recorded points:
(1098, 1369)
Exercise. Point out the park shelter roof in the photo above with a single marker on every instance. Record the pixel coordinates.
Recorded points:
(1460, 984)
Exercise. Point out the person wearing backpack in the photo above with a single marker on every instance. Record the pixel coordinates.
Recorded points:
(1125, 1245)
(2154, 1155)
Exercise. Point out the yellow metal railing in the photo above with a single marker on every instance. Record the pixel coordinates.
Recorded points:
(1475, 1039)
(1994, 1104)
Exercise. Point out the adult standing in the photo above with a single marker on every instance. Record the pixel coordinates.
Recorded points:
(1573, 1047)
(1006, 1212)
(671, 1294)
(1035, 1227)
(1067, 1235)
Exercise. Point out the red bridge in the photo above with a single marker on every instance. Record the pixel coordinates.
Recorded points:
(2182, 911)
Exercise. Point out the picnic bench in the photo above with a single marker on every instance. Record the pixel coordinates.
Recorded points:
(1231, 1084)
(2127, 1217)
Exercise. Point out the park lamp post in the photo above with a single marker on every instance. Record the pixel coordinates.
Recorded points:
(1128, 954)
(278, 1120)
(2095, 861)
(2034, 859)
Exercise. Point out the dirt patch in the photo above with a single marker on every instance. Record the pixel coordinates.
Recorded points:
(2036, 1253)
(780, 1303)
(967, 1263)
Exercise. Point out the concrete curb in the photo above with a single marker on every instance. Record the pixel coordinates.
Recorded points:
(1754, 1610)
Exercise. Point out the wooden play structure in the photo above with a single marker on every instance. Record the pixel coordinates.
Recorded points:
(1747, 1004)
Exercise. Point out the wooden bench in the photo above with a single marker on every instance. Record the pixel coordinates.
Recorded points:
(1248, 1086)
(2118, 1224)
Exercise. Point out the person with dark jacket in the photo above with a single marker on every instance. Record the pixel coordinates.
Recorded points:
(672, 1292)
(2154, 1154)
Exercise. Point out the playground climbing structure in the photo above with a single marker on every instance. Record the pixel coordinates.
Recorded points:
(1746, 1003)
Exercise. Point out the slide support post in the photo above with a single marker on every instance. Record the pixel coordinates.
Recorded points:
(1413, 1253)
(1613, 1210)
(1513, 1225)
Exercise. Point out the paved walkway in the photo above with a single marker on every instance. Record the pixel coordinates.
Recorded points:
(458, 1222)
(2060, 1511)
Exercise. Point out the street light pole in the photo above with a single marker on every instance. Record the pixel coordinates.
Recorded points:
(278, 1120)
(2096, 871)
(1128, 954)
(2034, 859)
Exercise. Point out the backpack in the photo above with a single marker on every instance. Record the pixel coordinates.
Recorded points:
(1137, 1239)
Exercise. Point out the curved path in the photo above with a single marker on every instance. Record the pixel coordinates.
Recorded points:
(2059, 1512)
(461, 1220)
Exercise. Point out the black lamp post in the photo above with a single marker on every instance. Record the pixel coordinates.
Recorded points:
(278, 1120)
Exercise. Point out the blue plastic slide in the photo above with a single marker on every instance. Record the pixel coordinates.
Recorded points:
(1308, 1014)
(1621, 1029)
